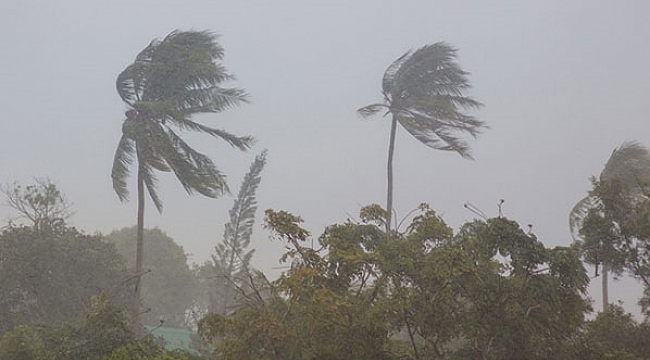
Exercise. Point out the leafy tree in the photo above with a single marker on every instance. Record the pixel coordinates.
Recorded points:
(627, 170)
(228, 270)
(169, 285)
(614, 335)
(169, 81)
(49, 275)
(424, 92)
(22, 343)
(525, 301)
(298, 316)
(41, 204)
(103, 331)
(489, 292)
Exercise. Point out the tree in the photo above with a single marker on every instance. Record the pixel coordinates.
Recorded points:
(169, 81)
(22, 343)
(526, 301)
(229, 266)
(627, 170)
(489, 292)
(50, 276)
(614, 335)
(41, 204)
(424, 92)
(299, 316)
(103, 331)
(169, 285)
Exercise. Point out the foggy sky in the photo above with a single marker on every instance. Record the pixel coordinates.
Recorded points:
(563, 84)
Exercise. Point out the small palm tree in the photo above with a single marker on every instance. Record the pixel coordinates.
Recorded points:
(169, 81)
(424, 92)
(629, 164)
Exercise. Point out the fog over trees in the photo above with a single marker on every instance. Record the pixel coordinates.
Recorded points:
(329, 249)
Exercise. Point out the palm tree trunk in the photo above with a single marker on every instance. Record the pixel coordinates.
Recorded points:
(139, 251)
(605, 288)
(389, 192)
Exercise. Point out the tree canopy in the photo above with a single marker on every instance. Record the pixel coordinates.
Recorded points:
(166, 266)
(491, 291)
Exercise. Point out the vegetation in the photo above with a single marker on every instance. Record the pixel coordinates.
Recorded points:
(48, 270)
(169, 81)
(227, 273)
(166, 267)
(595, 221)
(424, 92)
(488, 290)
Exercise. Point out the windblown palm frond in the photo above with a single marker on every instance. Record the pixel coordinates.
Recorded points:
(424, 91)
(630, 164)
(169, 81)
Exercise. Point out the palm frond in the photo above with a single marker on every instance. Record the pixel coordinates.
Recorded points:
(210, 99)
(371, 109)
(195, 171)
(123, 158)
(430, 70)
(434, 133)
(150, 182)
(131, 82)
(424, 89)
(388, 82)
(630, 163)
(169, 81)
(578, 215)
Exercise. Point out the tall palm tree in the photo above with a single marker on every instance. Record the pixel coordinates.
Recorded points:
(630, 164)
(424, 92)
(169, 81)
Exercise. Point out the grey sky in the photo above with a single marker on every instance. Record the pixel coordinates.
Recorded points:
(563, 84)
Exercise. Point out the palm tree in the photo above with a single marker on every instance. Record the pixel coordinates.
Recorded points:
(169, 81)
(424, 91)
(629, 164)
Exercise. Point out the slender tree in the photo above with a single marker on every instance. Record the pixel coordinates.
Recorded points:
(629, 164)
(424, 92)
(231, 260)
(169, 81)
(42, 204)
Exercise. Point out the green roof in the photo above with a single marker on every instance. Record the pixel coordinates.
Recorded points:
(175, 338)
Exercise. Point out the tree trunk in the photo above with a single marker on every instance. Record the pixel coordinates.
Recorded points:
(605, 288)
(138, 253)
(389, 192)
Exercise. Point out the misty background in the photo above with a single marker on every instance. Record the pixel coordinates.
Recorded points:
(563, 84)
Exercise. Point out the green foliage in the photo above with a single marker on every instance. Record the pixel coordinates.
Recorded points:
(103, 332)
(169, 286)
(22, 343)
(489, 292)
(42, 204)
(169, 81)
(227, 272)
(615, 334)
(601, 222)
(527, 301)
(50, 276)
(424, 92)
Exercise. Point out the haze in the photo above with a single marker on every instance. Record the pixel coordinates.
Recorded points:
(563, 84)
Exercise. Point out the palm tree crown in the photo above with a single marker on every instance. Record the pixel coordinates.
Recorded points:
(169, 81)
(424, 92)
(630, 165)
